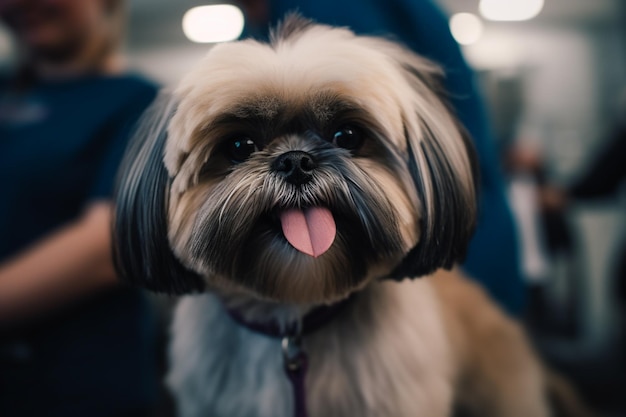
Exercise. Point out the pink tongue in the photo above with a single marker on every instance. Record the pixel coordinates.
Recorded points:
(311, 231)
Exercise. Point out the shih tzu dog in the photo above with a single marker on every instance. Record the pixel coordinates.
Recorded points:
(295, 185)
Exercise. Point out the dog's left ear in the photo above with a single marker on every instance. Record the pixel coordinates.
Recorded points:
(443, 165)
(141, 249)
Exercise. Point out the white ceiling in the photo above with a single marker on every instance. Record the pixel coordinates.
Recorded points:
(158, 22)
(567, 11)
(559, 10)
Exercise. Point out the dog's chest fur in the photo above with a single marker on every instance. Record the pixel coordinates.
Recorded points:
(385, 355)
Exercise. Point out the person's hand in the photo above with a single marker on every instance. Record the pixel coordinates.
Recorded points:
(552, 198)
(524, 159)
(72, 262)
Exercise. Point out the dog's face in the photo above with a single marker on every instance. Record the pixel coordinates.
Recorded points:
(296, 171)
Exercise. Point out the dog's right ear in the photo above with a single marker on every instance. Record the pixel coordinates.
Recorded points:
(141, 250)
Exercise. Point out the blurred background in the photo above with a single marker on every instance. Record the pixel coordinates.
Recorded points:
(554, 78)
(555, 84)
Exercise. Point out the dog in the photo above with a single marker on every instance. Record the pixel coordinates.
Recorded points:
(298, 187)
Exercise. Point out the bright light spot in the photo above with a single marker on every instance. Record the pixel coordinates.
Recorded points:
(510, 10)
(216, 23)
(466, 28)
(496, 51)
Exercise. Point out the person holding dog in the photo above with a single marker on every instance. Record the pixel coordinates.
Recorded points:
(72, 341)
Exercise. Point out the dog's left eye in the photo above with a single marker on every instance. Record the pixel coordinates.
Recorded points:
(348, 137)
(240, 149)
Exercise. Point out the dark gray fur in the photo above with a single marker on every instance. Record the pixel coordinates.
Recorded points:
(142, 253)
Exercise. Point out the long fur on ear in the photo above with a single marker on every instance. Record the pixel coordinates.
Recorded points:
(443, 165)
(141, 250)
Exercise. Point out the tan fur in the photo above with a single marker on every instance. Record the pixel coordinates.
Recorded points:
(499, 375)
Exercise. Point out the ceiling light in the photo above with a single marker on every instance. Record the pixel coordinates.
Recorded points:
(215, 23)
(510, 10)
(466, 28)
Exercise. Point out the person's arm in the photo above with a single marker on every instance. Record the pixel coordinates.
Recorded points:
(66, 265)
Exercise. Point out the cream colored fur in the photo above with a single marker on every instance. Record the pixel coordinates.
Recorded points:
(403, 349)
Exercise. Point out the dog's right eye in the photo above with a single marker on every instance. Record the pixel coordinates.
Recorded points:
(348, 137)
(240, 149)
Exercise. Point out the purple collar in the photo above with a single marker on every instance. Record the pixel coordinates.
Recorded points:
(295, 359)
(310, 323)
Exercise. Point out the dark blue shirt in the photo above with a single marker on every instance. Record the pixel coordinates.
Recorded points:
(60, 146)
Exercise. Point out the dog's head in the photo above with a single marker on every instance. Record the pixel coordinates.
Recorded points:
(297, 171)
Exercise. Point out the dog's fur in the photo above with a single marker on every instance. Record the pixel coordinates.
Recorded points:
(190, 218)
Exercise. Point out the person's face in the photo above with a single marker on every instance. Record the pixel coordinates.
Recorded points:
(52, 28)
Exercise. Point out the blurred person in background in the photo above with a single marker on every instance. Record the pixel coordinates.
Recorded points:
(550, 263)
(72, 341)
(603, 178)
(492, 257)
(603, 377)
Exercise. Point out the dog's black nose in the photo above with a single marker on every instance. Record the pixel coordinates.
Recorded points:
(295, 167)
